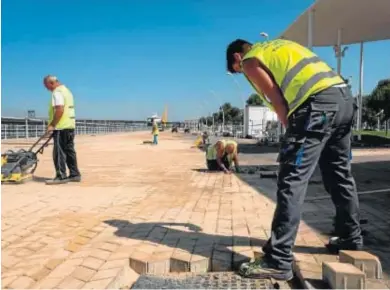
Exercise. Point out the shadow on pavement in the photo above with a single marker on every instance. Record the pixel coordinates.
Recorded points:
(257, 149)
(40, 179)
(372, 141)
(203, 170)
(178, 239)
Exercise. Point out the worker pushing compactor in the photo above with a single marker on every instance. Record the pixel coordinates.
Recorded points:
(317, 108)
(221, 156)
(62, 126)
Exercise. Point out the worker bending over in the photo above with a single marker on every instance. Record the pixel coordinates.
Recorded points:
(221, 155)
(317, 108)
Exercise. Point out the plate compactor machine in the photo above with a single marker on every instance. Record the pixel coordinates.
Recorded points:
(19, 166)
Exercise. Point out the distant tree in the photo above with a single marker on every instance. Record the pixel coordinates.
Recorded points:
(254, 100)
(202, 120)
(232, 115)
(369, 112)
(236, 115)
(377, 101)
(380, 98)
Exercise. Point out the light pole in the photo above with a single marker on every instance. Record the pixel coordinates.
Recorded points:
(202, 110)
(379, 122)
(242, 99)
(220, 108)
(210, 114)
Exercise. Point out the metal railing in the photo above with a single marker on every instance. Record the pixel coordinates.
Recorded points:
(17, 131)
(257, 130)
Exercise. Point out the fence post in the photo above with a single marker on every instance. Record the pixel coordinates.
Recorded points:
(36, 131)
(5, 131)
(26, 129)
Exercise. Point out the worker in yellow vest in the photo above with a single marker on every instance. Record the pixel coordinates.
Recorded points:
(221, 156)
(155, 132)
(317, 108)
(62, 125)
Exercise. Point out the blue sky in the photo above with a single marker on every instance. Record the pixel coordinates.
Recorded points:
(126, 59)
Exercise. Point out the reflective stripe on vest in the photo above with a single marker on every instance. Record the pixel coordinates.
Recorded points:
(297, 71)
(309, 83)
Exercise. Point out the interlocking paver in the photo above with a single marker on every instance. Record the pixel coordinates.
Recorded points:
(92, 263)
(114, 264)
(71, 283)
(7, 280)
(105, 274)
(83, 273)
(21, 282)
(98, 284)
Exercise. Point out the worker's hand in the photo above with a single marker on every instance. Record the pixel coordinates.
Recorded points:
(50, 129)
(227, 171)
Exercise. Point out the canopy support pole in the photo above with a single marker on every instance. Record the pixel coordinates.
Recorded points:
(339, 52)
(310, 30)
(361, 78)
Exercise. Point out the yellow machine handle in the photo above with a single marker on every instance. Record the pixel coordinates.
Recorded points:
(3, 159)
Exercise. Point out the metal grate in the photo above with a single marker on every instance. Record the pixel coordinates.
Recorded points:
(223, 280)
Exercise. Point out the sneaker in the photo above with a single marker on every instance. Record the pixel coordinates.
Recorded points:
(260, 269)
(335, 244)
(56, 180)
(75, 178)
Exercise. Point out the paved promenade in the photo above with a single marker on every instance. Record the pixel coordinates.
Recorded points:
(147, 203)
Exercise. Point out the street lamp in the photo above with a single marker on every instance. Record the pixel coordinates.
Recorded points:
(210, 114)
(242, 99)
(265, 35)
(202, 110)
(220, 108)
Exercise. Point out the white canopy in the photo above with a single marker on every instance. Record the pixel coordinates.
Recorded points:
(356, 21)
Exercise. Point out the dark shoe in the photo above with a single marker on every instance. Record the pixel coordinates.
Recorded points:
(336, 244)
(76, 178)
(56, 180)
(260, 269)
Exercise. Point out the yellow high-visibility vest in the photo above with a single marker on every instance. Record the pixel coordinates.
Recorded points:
(297, 71)
(67, 120)
(211, 153)
(231, 155)
(155, 130)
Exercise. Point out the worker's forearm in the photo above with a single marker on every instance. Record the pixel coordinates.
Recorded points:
(236, 164)
(57, 118)
(220, 164)
(281, 111)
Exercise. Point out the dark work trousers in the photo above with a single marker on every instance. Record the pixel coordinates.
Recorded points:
(64, 153)
(212, 165)
(319, 131)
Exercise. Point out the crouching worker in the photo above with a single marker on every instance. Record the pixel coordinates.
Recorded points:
(221, 156)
